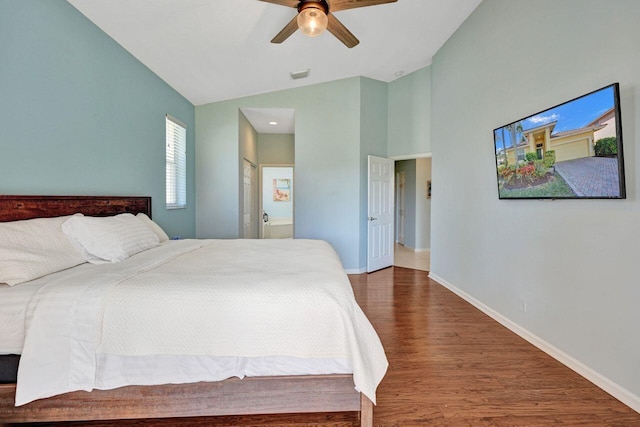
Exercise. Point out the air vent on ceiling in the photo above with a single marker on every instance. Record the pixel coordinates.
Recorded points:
(300, 74)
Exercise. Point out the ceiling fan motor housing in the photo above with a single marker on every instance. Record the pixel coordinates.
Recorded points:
(316, 4)
(316, 16)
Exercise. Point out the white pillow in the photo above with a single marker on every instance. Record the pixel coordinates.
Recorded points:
(109, 239)
(162, 236)
(34, 248)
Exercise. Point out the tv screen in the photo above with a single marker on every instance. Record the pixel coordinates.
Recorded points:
(570, 151)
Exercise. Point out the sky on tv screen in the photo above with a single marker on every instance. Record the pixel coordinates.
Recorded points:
(573, 114)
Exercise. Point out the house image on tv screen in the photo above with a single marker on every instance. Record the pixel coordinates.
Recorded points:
(569, 144)
(573, 150)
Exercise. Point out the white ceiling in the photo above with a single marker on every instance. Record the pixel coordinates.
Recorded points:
(262, 118)
(214, 50)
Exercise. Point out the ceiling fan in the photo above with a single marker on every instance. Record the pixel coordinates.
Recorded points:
(314, 16)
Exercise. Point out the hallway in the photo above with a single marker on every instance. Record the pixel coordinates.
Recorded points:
(408, 258)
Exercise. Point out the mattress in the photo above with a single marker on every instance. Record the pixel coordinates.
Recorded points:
(252, 308)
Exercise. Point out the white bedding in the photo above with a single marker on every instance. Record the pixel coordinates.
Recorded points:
(237, 300)
(13, 304)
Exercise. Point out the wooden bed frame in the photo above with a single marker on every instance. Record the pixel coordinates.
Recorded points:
(249, 396)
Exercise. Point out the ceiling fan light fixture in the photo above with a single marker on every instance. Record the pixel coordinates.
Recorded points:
(312, 21)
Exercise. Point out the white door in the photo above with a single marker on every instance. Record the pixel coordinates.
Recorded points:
(249, 222)
(380, 213)
(401, 182)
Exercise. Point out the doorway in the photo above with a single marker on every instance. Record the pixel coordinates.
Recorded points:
(276, 201)
(266, 139)
(413, 209)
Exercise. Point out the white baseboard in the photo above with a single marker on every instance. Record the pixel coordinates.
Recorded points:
(614, 389)
(355, 270)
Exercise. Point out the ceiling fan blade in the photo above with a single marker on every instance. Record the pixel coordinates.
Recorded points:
(336, 28)
(336, 5)
(288, 3)
(288, 29)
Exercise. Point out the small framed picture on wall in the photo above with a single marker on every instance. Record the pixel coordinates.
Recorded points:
(281, 190)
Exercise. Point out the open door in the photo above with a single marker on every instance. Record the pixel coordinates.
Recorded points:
(380, 213)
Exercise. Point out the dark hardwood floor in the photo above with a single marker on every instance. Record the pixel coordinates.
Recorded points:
(451, 365)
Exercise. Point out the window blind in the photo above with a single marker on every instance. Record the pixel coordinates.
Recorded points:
(176, 169)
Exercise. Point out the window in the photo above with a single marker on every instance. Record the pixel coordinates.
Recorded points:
(176, 168)
(520, 154)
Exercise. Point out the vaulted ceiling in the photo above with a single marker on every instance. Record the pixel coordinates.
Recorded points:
(213, 50)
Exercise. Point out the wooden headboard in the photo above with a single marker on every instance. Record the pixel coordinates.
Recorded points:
(14, 208)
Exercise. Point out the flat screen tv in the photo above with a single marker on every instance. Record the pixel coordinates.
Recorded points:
(570, 151)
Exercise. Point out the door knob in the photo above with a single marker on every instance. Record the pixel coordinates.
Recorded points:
(372, 218)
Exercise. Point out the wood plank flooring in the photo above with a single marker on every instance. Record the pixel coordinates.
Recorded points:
(450, 365)
(408, 258)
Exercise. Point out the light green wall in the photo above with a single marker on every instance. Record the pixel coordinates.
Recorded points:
(572, 262)
(409, 117)
(327, 159)
(80, 115)
(373, 141)
(248, 138)
(423, 204)
(276, 148)
(248, 145)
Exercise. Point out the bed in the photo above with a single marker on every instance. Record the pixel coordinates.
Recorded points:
(270, 394)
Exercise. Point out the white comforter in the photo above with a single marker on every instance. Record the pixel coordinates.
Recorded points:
(249, 298)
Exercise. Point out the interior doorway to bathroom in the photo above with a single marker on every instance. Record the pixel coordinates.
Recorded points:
(276, 201)
(266, 139)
